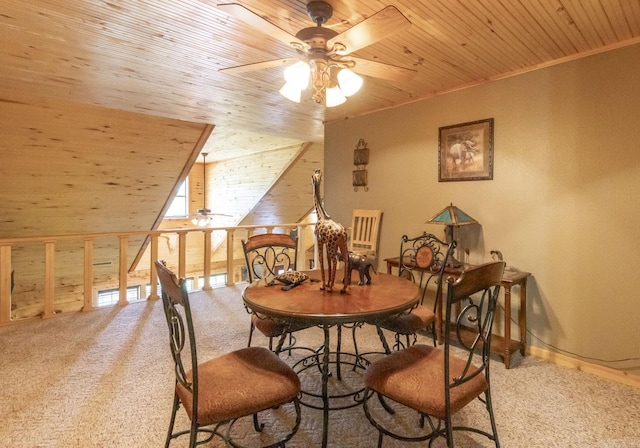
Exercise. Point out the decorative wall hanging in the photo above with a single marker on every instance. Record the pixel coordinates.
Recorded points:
(360, 160)
(465, 151)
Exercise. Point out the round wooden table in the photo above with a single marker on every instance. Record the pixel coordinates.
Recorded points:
(387, 295)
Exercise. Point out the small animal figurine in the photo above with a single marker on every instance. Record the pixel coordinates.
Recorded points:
(330, 236)
(362, 264)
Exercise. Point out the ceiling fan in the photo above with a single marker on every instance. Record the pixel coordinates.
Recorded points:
(323, 56)
(204, 216)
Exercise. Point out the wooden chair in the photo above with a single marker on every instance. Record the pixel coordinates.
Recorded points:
(363, 240)
(365, 226)
(222, 390)
(268, 255)
(422, 260)
(439, 382)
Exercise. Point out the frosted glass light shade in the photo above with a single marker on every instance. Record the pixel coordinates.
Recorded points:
(291, 92)
(349, 82)
(201, 221)
(298, 75)
(334, 96)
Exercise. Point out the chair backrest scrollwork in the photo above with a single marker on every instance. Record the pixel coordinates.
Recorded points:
(423, 260)
(270, 254)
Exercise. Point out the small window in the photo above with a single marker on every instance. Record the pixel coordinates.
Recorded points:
(111, 296)
(179, 206)
(215, 280)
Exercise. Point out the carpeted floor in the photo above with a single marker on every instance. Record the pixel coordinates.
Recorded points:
(104, 379)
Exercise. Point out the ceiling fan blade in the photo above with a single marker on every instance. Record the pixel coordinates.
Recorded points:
(382, 24)
(256, 21)
(210, 214)
(258, 66)
(381, 70)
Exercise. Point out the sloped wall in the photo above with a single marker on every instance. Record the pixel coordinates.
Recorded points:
(68, 169)
(267, 188)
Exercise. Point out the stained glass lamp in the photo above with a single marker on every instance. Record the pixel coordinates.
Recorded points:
(451, 216)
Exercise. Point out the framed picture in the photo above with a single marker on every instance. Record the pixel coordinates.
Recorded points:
(361, 156)
(360, 178)
(465, 151)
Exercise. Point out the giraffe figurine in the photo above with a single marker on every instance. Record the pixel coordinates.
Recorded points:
(330, 236)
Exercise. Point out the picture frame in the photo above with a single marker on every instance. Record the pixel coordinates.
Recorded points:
(360, 178)
(361, 156)
(465, 151)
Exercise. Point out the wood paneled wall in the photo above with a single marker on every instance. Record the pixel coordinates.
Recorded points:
(70, 168)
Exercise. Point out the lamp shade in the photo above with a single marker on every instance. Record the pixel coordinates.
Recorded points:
(334, 96)
(291, 92)
(202, 220)
(298, 75)
(452, 216)
(349, 82)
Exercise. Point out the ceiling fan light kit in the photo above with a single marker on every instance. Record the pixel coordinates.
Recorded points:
(328, 88)
(324, 56)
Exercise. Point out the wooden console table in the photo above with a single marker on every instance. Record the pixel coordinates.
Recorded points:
(501, 345)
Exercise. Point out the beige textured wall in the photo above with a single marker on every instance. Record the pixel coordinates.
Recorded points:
(563, 205)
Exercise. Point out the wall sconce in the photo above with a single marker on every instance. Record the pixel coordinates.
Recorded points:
(360, 160)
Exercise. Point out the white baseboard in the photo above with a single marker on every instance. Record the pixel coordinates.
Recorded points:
(594, 369)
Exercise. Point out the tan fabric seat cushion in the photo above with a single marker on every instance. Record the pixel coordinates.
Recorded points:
(240, 383)
(414, 377)
(418, 319)
(273, 328)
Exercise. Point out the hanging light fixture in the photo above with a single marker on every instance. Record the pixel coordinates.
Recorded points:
(332, 81)
(203, 215)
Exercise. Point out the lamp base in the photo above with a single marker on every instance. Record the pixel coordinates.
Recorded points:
(452, 262)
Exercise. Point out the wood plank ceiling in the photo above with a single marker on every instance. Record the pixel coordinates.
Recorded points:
(162, 57)
(104, 104)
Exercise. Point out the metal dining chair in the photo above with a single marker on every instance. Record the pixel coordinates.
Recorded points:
(440, 381)
(422, 260)
(268, 255)
(218, 392)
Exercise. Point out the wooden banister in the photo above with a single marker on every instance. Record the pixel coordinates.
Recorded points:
(86, 261)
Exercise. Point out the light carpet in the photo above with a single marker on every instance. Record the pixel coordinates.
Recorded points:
(104, 379)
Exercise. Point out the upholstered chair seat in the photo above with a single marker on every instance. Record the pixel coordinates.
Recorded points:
(274, 328)
(418, 319)
(412, 376)
(248, 390)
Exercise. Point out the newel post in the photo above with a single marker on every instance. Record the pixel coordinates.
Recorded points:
(182, 254)
(49, 278)
(153, 294)
(207, 260)
(5, 283)
(88, 274)
(230, 233)
(122, 277)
